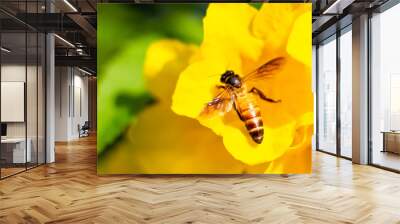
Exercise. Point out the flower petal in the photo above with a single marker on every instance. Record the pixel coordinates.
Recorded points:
(162, 54)
(274, 23)
(292, 85)
(298, 158)
(139, 153)
(299, 43)
(226, 26)
(276, 141)
(195, 87)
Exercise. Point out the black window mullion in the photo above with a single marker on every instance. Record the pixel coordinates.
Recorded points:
(338, 80)
(26, 87)
(45, 93)
(369, 90)
(317, 97)
(37, 90)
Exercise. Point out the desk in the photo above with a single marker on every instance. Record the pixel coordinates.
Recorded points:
(391, 141)
(15, 148)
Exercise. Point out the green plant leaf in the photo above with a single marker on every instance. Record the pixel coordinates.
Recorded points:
(122, 93)
(124, 33)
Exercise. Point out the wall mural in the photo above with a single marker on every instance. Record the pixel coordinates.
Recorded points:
(204, 88)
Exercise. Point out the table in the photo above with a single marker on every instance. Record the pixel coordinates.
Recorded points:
(391, 141)
(15, 148)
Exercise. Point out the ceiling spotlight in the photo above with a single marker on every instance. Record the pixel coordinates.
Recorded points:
(70, 5)
(65, 41)
(5, 50)
(79, 51)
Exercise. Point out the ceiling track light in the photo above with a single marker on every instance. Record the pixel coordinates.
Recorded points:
(64, 40)
(70, 5)
(84, 71)
(337, 7)
(5, 50)
(332, 6)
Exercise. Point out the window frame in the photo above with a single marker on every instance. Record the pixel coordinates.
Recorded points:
(334, 37)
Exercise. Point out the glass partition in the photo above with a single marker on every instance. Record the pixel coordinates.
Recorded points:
(22, 78)
(14, 153)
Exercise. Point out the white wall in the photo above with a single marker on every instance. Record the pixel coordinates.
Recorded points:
(16, 73)
(80, 110)
(12, 73)
(71, 102)
(62, 82)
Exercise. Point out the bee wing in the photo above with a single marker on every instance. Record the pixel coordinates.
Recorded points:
(221, 104)
(266, 70)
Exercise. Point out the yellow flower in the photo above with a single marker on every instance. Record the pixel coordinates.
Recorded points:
(240, 38)
(162, 142)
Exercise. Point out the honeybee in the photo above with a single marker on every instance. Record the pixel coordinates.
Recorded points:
(235, 93)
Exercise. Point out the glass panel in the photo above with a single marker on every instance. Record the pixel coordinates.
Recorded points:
(13, 89)
(346, 94)
(327, 96)
(314, 78)
(41, 99)
(385, 84)
(23, 90)
(31, 100)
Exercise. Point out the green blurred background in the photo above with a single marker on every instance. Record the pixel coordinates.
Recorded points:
(124, 33)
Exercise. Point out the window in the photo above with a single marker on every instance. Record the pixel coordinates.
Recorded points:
(346, 93)
(385, 89)
(327, 96)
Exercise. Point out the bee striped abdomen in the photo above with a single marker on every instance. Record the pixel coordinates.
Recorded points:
(251, 115)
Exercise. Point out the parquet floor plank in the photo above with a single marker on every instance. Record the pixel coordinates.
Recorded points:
(69, 191)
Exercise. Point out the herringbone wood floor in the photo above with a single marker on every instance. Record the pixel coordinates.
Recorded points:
(69, 191)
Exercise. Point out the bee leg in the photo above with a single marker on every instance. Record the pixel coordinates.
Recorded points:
(237, 111)
(220, 87)
(263, 96)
